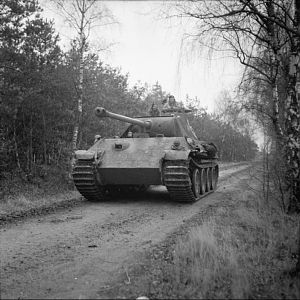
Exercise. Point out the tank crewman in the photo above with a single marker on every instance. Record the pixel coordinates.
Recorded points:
(170, 104)
(154, 111)
(97, 138)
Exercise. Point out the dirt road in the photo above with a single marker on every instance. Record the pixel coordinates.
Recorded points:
(82, 251)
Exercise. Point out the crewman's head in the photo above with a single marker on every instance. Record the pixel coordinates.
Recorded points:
(172, 100)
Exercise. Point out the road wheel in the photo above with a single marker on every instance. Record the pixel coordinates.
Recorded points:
(196, 183)
(203, 181)
(209, 179)
(215, 176)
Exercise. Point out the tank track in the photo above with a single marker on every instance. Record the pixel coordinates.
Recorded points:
(85, 179)
(177, 179)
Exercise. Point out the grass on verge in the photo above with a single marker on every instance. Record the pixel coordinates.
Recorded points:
(244, 250)
(17, 194)
(237, 247)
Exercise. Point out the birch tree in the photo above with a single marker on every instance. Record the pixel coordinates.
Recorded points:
(83, 16)
(293, 112)
(261, 34)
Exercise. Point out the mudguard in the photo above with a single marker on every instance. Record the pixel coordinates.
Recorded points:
(84, 154)
(176, 154)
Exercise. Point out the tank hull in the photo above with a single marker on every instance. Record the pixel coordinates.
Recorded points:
(134, 160)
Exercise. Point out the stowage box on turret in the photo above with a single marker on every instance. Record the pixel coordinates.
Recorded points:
(161, 150)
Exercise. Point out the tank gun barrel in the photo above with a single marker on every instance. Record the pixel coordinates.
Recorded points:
(102, 113)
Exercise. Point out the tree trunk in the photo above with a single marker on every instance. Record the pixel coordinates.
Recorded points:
(293, 123)
(44, 139)
(30, 147)
(79, 104)
(276, 123)
(82, 46)
(293, 118)
(16, 143)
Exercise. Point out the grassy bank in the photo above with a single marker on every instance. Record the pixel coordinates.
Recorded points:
(242, 253)
(242, 247)
(19, 193)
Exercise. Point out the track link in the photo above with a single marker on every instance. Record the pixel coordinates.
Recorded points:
(84, 176)
(177, 179)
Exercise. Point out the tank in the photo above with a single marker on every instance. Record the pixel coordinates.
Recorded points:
(153, 150)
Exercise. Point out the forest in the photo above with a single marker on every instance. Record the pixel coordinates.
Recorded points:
(48, 96)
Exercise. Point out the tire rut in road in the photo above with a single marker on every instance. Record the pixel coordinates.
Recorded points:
(71, 246)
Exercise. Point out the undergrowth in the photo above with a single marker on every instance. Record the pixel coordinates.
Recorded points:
(245, 250)
(20, 192)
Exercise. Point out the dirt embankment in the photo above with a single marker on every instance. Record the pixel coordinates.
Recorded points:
(100, 250)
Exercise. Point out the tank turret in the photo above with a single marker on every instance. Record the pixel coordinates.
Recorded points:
(102, 113)
(171, 125)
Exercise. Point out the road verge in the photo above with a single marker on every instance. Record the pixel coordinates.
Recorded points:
(236, 247)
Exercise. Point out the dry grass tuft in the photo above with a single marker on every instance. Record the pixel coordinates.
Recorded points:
(205, 264)
(244, 251)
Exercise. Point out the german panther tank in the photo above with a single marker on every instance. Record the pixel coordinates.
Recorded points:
(160, 150)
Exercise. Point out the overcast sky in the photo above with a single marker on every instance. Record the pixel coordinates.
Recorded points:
(151, 48)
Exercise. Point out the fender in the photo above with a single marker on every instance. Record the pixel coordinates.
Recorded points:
(176, 155)
(84, 154)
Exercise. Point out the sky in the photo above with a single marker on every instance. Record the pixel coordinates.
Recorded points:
(152, 48)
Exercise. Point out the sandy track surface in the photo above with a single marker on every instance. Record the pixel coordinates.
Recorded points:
(81, 251)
